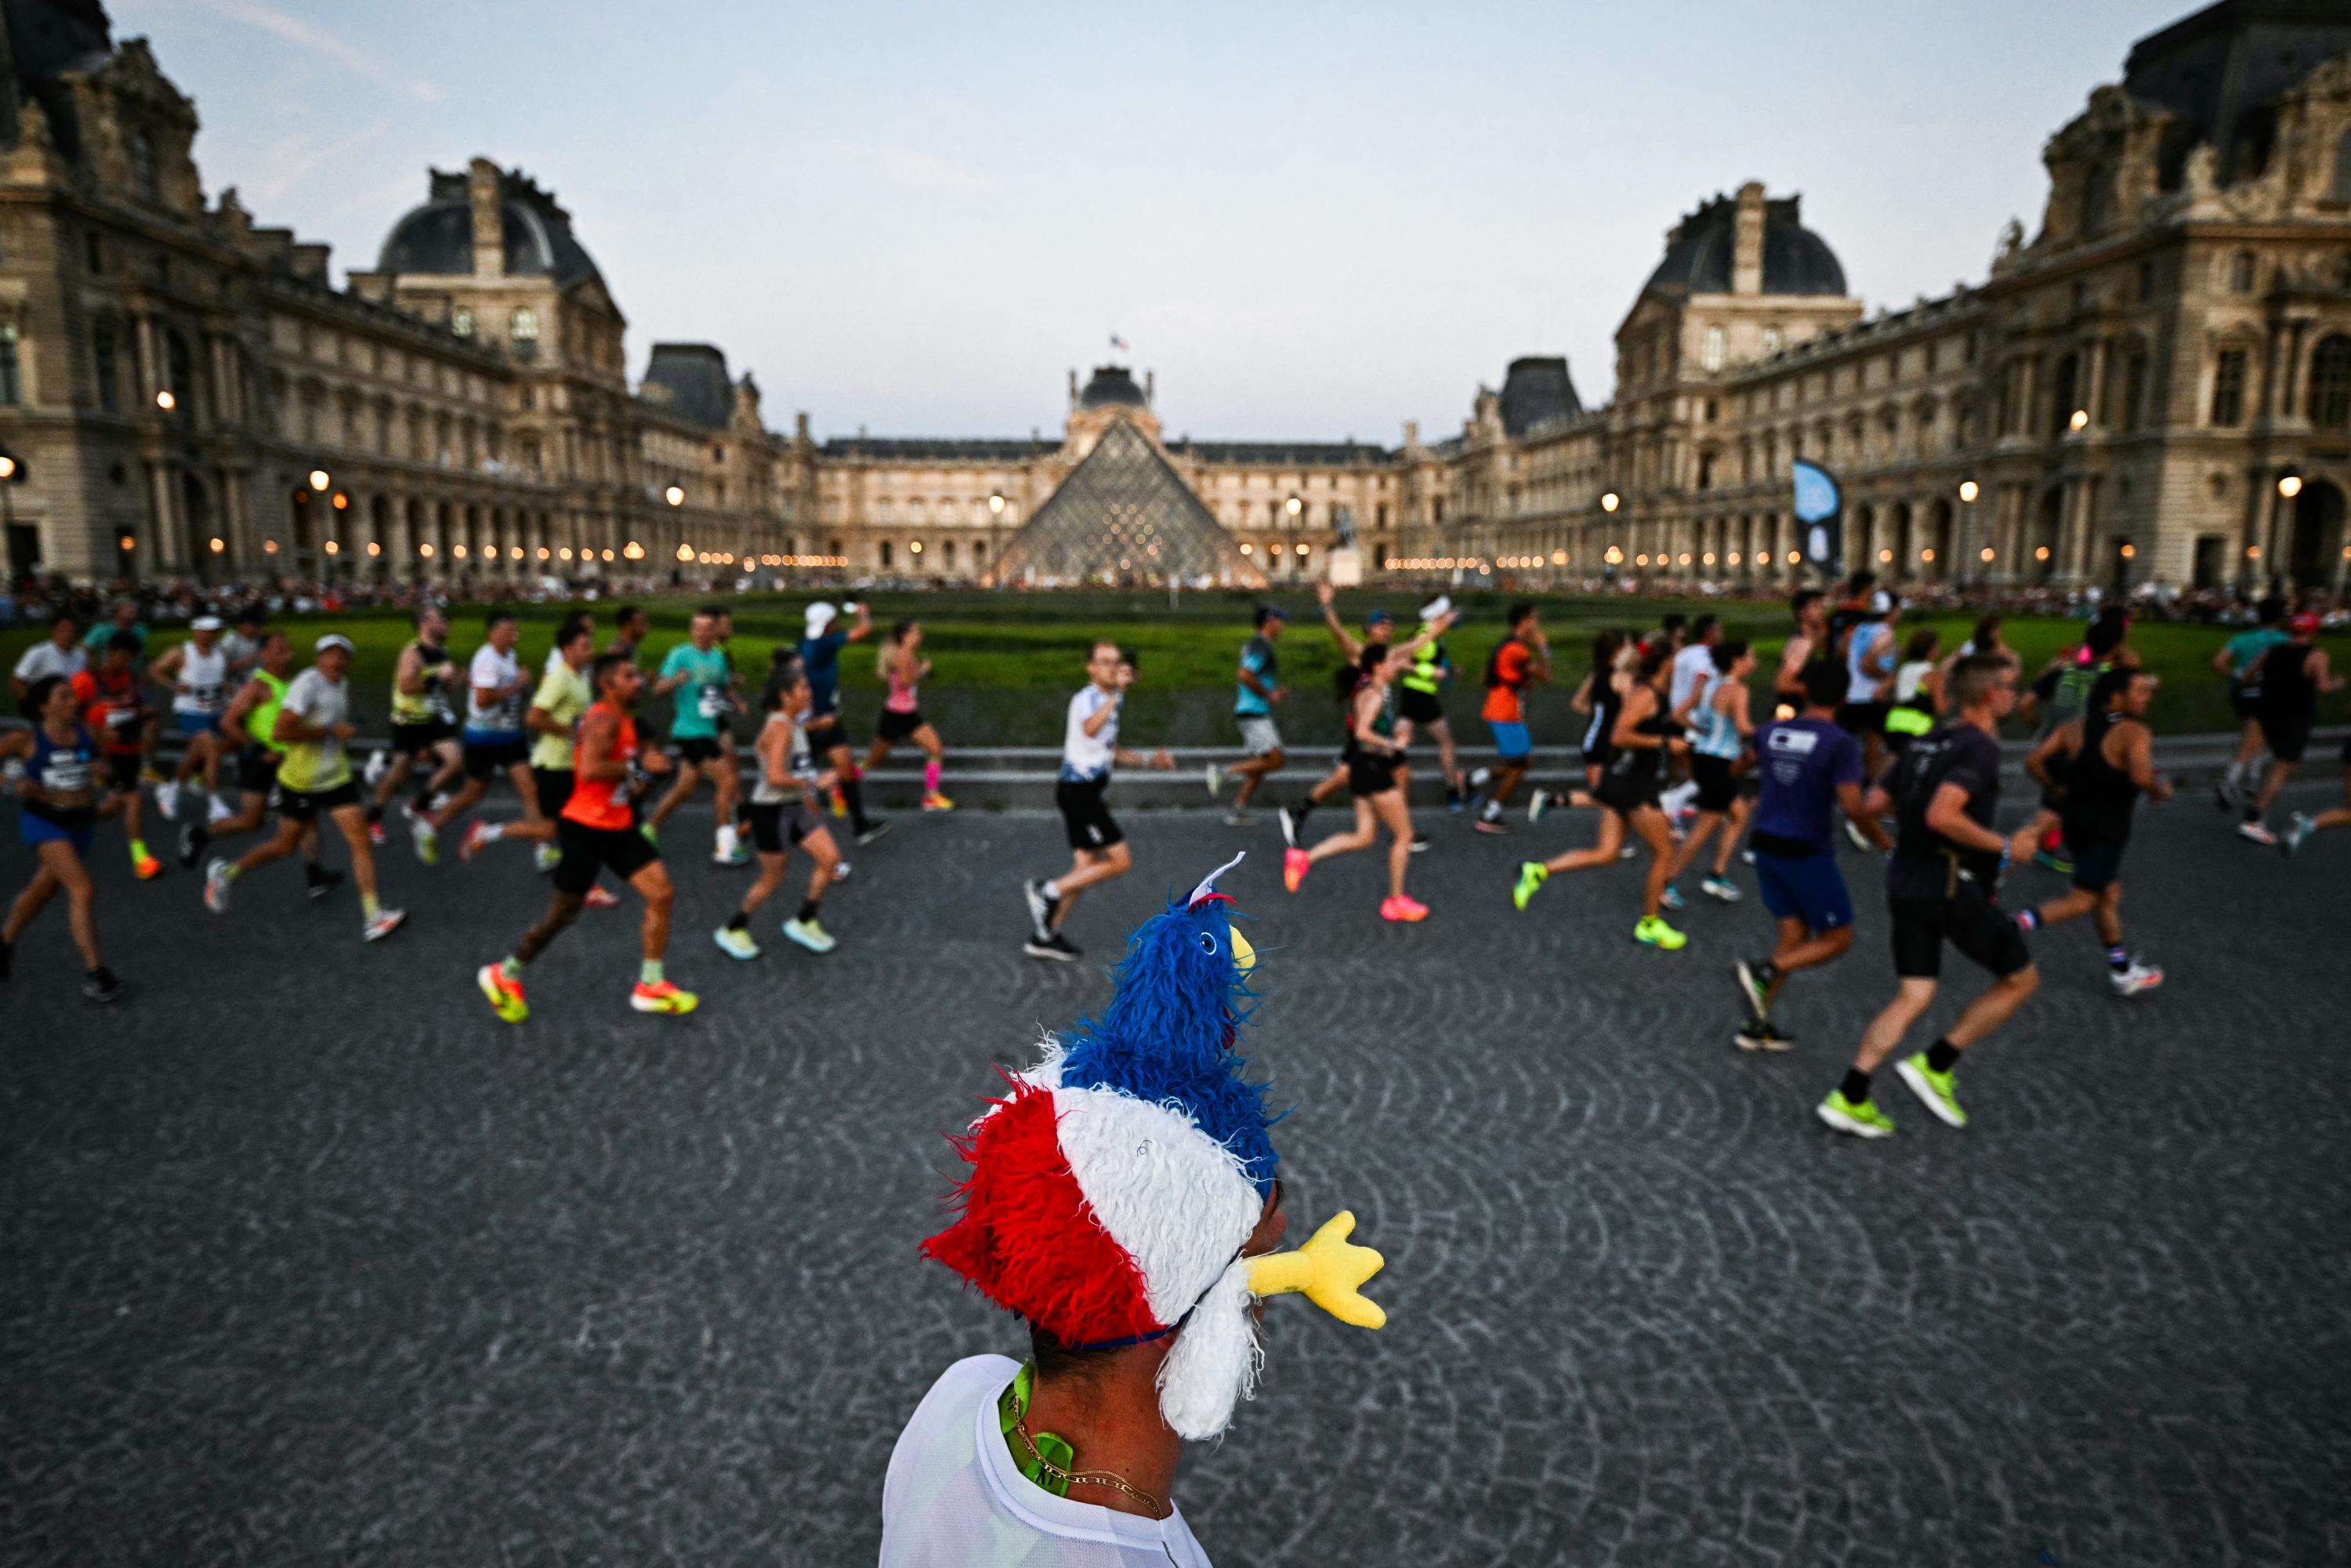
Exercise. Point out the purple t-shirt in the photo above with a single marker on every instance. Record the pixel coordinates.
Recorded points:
(1803, 762)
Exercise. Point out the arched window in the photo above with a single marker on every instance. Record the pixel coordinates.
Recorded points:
(2330, 383)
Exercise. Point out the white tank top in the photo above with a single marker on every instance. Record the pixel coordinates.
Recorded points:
(797, 762)
(202, 677)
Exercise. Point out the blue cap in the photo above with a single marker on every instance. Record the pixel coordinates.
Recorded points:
(1376, 616)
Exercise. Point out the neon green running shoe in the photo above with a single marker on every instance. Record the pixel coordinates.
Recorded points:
(1939, 1091)
(652, 834)
(1652, 932)
(1860, 1117)
(1533, 874)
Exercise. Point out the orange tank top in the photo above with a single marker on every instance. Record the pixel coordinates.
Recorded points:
(604, 803)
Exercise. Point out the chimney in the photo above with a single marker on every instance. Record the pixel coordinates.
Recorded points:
(1150, 387)
(1073, 391)
(1411, 432)
(489, 219)
(1747, 248)
(800, 425)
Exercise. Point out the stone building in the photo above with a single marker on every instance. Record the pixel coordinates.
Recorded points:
(2156, 386)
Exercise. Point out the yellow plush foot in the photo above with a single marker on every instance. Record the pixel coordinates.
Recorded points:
(1328, 1270)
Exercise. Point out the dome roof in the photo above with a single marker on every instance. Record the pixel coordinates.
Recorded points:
(438, 237)
(1699, 251)
(1113, 387)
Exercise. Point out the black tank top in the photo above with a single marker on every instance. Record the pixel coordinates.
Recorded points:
(1637, 765)
(1607, 702)
(2099, 795)
(2287, 690)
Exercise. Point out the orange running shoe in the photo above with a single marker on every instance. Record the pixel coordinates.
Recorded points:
(1403, 908)
(1294, 868)
(504, 995)
(664, 997)
(146, 868)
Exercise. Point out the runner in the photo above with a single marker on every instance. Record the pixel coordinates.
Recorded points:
(630, 628)
(2239, 662)
(2095, 767)
(1870, 662)
(552, 718)
(1601, 694)
(1917, 691)
(314, 780)
(493, 739)
(1811, 769)
(59, 655)
(699, 672)
(1518, 660)
(424, 728)
(1642, 739)
(1938, 887)
(116, 712)
(196, 673)
(598, 828)
(1374, 757)
(1257, 689)
(252, 716)
(828, 732)
(1379, 629)
(1418, 700)
(2293, 676)
(2304, 824)
(1715, 714)
(783, 814)
(55, 766)
(2061, 694)
(1808, 645)
(241, 647)
(903, 670)
(1098, 851)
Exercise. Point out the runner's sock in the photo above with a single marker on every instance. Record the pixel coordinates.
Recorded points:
(930, 777)
(726, 837)
(1052, 891)
(740, 921)
(650, 972)
(1856, 1086)
(374, 813)
(2119, 958)
(510, 967)
(1298, 812)
(2028, 920)
(138, 849)
(491, 832)
(1492, 812)
(370, 907)
(1942, 1056)
(1767, 973)
(807, 911)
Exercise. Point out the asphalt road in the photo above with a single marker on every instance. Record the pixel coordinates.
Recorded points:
(304, 1258)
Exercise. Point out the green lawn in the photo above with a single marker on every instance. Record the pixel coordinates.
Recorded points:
(1007, 663)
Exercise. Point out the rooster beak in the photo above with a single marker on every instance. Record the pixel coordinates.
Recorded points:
(1244, 956)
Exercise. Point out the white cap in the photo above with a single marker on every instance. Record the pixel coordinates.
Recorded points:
(334, 640)
(205, 624)
(1435, 607)
(1883, 603)
(819, 616)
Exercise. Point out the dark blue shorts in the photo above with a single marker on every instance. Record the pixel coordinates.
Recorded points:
(1808, 888)
(38, 829)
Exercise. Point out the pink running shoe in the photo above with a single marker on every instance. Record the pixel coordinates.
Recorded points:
(1402, 907)
(1294, 868)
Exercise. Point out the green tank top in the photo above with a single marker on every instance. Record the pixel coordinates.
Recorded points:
(262, 722)
(1427, 668)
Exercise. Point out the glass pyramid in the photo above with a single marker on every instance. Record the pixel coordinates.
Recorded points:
(1124, 517)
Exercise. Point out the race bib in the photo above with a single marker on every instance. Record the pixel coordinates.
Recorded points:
(713, 702)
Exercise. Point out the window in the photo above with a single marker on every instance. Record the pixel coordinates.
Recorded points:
(2097, 199)
(2241, 272)
(1711, 355)
(2146, 281)
(11, 387)
(461, 321)
(2134, 387)
(2330, 383)
(522, 327)
(2342, 192)
(885, 555)
(1771, 339)
(94, 253)
(2229, 388)
(101, 354)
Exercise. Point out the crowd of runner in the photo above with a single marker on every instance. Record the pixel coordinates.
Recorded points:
(1871, 727)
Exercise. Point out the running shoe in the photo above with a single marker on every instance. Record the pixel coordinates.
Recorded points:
(1537, 803)
(379, 763)
(1216, 778)
(1294, 868)
(1761, 1034)
(1289, 825)
(1858, 839)
(1652, 932)
(1533, 874)
(740, 856)
(1753, 990)
(935, 801)
(476, 838)
(1454, 801)
(325, 883)
(376, 835)
(2257, 832)
(1419, 844)
(735, 942)
(839, 873)
(1053, 947)
(1240, 818)
(167, 800)
(1939, 1091)
(1040, 909)
(146, 868)
(811, 936)
(1862, 1118)
(870, 831)
(2138, 978)
(192, 844)
(1493, 824)
(599, 898)
(1480, 778)
(426, 840)
(1721, 887)
(1672, 898)
(505, 996)
(2050, 860)
(385, 923)
(2298, 833)
(839, 802)
(547, 857)
(216, 886)
(651, 831)
(101, 984)
(1403, 908)
(662, 998)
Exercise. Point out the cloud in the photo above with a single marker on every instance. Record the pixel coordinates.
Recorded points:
(287, 160)
(294, 30)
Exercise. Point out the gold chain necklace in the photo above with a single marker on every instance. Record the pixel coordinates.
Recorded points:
(1068, 1479)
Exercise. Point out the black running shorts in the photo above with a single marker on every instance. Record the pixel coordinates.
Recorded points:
(486, 759)
(2288, 735)
(555, 786)
(1085, 813)
(1718, 786)
(416, 739)
(587, 850)
(894, 727)
(123, 771)
(1857, 719)
(1626, 796)
(698, 751)
(310, 805)
(257, 770)
(1422, 708)
(776, 823)
(1369, 774)
(1968, 921)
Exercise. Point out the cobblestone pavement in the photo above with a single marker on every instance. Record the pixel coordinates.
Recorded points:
(304, 1258)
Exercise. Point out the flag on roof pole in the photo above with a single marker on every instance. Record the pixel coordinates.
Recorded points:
(1118, 343)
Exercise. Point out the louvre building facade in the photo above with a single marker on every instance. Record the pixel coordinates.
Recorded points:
(2154, 384)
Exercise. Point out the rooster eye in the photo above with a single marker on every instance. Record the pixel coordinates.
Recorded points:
(1208, 942)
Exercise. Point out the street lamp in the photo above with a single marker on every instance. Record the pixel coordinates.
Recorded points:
(2290, 485)
(166, 401)
(1969, 490)
(1611, 501)
(320, 480)
(675, 494)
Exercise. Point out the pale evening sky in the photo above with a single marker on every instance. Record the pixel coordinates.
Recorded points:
(1313, 221)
